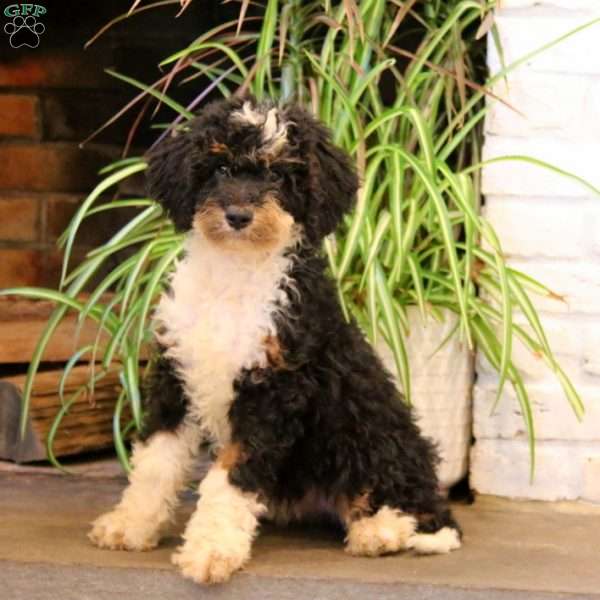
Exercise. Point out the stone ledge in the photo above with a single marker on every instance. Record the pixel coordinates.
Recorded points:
(512, 550)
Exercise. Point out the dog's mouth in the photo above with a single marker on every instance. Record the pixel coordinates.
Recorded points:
(242, 226)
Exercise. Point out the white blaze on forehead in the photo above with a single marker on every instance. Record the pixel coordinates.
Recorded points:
(274, 129)
(248, 115)
(270, 125)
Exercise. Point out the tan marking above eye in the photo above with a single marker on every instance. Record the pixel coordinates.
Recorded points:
(218, 148)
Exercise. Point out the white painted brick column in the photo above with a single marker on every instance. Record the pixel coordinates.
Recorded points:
(550, 228)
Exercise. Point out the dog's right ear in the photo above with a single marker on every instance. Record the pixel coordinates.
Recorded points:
(169, 178)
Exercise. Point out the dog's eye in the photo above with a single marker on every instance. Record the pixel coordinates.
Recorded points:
(224, 171)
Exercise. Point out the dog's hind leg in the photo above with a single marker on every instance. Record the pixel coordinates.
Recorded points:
(161, 465)
(390, 530)
(386, 531)
(437, 533)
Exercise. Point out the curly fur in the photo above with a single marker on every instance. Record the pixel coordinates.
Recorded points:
(255, 354)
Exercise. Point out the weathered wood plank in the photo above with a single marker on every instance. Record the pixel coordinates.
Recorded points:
(23, 321)
(87, 426)
(47, 382)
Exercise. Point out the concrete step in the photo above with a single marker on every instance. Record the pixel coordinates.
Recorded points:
(512, 550)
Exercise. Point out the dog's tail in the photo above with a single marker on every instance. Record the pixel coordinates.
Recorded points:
(435, 534)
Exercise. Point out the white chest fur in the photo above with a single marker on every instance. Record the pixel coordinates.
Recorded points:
(214, 322)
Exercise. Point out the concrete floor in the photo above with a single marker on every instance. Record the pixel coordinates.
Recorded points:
(512, 550)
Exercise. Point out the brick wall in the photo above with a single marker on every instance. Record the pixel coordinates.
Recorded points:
(550, 228)
(43, 172)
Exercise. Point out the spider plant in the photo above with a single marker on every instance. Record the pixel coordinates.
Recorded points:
(401, 86)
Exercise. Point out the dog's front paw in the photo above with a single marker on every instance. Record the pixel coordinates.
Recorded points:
(207, 563)
(117, 530)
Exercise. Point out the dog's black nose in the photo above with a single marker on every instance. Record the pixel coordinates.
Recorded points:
(238, 217)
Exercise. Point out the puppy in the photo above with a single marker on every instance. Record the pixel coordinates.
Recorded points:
(256, 357)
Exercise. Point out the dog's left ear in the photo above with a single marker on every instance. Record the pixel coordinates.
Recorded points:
(168, 178)
(331, 181)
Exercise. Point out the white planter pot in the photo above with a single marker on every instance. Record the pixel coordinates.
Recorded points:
(441, 384)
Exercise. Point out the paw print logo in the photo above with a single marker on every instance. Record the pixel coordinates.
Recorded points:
(24, 31)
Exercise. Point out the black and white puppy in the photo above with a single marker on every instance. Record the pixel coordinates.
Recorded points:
(256, 356)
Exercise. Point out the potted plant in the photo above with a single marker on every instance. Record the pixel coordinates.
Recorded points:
(400, 86)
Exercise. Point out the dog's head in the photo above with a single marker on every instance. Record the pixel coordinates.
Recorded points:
(249, 175)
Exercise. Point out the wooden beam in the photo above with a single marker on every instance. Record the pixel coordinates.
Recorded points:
(86, 427)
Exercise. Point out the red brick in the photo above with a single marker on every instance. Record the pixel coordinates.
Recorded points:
(94, 230)
(53, 266)
(19, 116)
(19, 218)
(59, 212)
(56, 69)
(50, 167)
(72, 115)
(53, 261)
(34, 267)
(20, 267)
